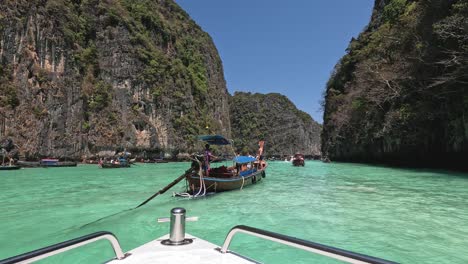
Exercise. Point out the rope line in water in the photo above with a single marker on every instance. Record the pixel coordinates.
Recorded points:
(102, 218)
(146, 201)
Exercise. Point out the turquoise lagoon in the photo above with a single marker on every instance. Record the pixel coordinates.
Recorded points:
(404, 215)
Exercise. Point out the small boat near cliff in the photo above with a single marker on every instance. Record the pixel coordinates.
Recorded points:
(9, 167)
(56, 163)
(153, 161)
(120, 163)
(298, 160)
(114, 165)
(46, 163)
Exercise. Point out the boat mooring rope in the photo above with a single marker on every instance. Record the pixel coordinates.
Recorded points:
(202, 183)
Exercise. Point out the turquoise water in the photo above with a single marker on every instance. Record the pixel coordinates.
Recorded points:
(409, 216)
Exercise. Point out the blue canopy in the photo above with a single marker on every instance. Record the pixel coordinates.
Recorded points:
(244, 159)
(215, 140)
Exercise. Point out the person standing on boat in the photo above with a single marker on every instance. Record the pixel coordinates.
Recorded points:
(259, 157)
(261, 143)
(207, 157)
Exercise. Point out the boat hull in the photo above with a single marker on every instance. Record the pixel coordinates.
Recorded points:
(10, 167)
(226, 183)
(60, 164)
(114, 166)
(37, 164)
(298, 162)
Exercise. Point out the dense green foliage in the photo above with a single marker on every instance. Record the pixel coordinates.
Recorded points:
(273, 118)
(399, 94)
(249, 121)
(170, 46)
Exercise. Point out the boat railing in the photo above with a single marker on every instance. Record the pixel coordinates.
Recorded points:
(332, 252)
(65, 246)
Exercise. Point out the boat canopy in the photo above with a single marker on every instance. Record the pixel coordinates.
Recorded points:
(214, 140)
(244, 159)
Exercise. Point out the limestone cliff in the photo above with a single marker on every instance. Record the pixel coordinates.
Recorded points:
(400, 93)
(274, 118)
(80, 76)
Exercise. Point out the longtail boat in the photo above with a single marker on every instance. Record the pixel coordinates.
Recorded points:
(298, 160)
(46, 163)
(114, 165)
(244, 171)
(56, 163)
(120, 163)
(9, 167)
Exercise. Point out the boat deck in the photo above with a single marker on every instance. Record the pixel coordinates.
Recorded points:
(200, 251)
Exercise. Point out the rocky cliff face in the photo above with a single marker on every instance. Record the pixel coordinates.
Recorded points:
(81, 76)
(400, 93)
(274, 118)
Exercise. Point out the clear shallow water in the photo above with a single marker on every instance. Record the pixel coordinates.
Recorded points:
(409, 216)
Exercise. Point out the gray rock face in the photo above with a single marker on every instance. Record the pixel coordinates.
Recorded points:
(274, 118)
(399, 94)
(78, 77)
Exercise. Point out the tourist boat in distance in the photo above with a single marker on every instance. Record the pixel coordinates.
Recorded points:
(56, 163)
(153, 161)
(46, 163)
(9, 167)
(179, 247)
(118, 163)
(298, 160)
(28, 164)
(245, 171)
(114, 165)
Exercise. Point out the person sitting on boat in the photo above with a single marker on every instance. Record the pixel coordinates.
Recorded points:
(207, 157)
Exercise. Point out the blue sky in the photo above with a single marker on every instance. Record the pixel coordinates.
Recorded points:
(282, 46)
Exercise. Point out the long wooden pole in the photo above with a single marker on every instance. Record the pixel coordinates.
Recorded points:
(163, 190)
(147, 200)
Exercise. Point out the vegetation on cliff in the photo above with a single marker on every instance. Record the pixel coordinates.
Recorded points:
(275, 119)
(400, 93)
